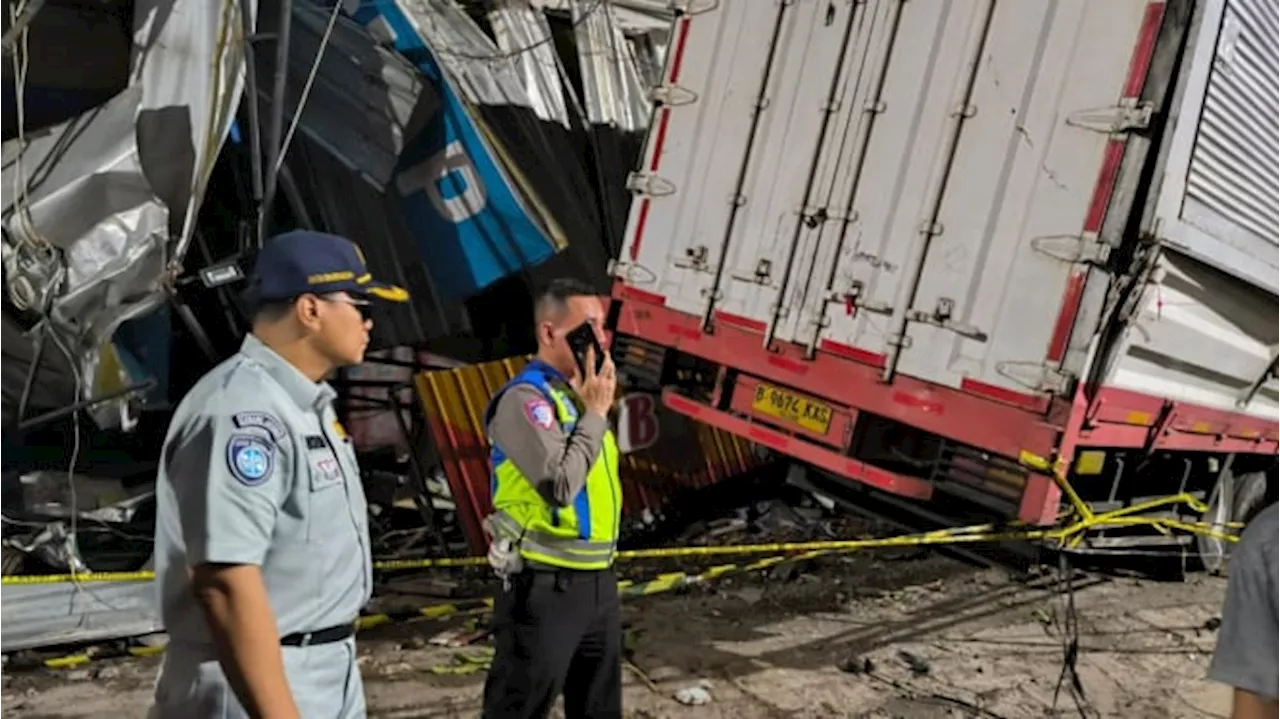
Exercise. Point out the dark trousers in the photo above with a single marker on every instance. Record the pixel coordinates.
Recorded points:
(556, 631)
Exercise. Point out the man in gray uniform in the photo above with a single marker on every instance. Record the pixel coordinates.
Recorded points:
(1245, 657)
(262, 537)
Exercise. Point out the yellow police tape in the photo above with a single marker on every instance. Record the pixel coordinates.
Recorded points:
(463, 663)
(1081, 516)
(1067, 536)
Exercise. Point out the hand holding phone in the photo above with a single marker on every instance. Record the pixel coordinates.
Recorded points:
(582, 339)
(596, 382)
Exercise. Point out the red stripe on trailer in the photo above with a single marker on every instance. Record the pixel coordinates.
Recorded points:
(1113, 155)
(1033, 402)
(733, 320)
(1144, 50)
(978, 421)
(660, 138)
(840, 349)
(626, 292)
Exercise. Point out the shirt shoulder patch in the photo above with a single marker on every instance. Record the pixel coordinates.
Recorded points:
(539, 413)
(250, 458)
(263, 420)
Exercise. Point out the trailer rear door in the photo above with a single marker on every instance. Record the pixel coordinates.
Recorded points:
(864, 176)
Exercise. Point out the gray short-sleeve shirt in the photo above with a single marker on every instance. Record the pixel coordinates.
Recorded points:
(256, 469)
(1245, 657)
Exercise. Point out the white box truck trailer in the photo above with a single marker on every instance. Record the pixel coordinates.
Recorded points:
(951, 247)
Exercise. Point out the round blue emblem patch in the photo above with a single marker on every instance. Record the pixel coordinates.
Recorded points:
(250, 459)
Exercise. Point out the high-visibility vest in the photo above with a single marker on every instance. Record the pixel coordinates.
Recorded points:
(583, 535)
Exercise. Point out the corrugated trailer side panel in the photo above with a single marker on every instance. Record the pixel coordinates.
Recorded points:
(1190, 370)
(855, 177)
(1188, 360)
(1194, 358)
(1218, 196)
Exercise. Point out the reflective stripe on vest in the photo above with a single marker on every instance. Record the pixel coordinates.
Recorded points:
(549, 548)
(583, 535)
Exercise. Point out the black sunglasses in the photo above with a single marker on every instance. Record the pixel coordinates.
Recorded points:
(363, 306)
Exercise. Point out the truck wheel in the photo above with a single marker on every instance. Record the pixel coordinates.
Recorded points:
(1234, 499)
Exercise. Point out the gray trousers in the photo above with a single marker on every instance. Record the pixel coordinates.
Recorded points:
(324, 679)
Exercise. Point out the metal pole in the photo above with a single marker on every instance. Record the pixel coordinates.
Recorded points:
(251, 94)
(275, 131)
(85, 404)
(929, 228)
(37, 356)
(417, 473)
(289, 186)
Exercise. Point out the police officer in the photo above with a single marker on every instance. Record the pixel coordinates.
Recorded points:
(262, 539)
(554, 530)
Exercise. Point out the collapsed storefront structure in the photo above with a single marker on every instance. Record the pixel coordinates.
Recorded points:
(473, 150)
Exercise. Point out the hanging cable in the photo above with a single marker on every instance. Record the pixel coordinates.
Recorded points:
(509, 54)
(306, 92)
(21, 19)
(275, 136)
(21, 54)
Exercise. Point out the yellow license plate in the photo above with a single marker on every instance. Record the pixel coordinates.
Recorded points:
(813, 416)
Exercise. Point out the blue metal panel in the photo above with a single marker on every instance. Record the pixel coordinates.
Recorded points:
(471, 224)
(143, 345)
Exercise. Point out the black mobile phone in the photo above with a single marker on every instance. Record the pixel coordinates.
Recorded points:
(579, 339)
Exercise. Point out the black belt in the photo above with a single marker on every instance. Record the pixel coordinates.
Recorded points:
(321, 636)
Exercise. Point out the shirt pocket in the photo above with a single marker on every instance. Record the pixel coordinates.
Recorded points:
(327, 510)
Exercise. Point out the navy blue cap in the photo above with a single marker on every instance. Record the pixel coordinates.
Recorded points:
(307, 262)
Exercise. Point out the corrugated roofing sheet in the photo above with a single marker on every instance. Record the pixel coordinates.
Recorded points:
(362, 98)
(611, 83)
(42, 615)
(344, 202)
(686, 455)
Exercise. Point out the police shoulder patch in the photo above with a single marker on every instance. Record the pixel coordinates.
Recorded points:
(250, 458)
(263, 420)
(540, 413)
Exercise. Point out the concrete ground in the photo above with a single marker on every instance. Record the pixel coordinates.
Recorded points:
(907, 634)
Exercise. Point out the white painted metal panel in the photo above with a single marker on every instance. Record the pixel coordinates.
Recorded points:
(1014, 205)
(825, 192)
(1218, 197)
(1199, 336)
(784, 149)
(696, 148)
